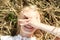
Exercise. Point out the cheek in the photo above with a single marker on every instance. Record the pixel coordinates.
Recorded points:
(18, 22)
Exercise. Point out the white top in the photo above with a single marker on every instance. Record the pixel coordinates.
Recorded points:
(18, 37)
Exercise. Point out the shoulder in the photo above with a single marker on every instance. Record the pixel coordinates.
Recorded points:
(10, 37)
(17, 37)
(6, 38)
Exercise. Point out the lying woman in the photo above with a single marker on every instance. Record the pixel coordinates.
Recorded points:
(28, 22)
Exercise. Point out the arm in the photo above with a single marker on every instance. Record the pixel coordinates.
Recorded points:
(51, 29)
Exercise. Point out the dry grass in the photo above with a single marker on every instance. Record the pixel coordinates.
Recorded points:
(9, 9)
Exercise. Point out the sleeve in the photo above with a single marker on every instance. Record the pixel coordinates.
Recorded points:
(6, 38)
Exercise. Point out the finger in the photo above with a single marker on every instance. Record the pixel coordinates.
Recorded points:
(22, 21)
(34, 23)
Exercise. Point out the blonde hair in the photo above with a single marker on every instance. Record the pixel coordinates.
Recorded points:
(31, 7)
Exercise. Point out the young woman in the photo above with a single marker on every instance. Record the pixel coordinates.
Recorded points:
(28, 23)
(25, 30)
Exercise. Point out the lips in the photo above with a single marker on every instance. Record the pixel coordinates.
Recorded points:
(28, 28)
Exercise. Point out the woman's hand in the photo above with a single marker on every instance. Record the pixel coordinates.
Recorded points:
(30, 21)
(34, 22)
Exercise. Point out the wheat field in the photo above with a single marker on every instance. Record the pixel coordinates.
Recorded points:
(9, 10)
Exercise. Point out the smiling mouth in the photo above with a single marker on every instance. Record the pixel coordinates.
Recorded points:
(28, 27)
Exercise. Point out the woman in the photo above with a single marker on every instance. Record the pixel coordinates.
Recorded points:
(28, 23)
(25, 29)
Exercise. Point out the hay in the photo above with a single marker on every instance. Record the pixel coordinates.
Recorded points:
(9, 9)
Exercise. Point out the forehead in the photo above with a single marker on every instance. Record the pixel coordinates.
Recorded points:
(30, 12)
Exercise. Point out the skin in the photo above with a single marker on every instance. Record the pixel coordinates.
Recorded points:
(28, 15)
(57, 38)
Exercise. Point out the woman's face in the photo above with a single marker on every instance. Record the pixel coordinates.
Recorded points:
(28, 29)
(28, 14)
